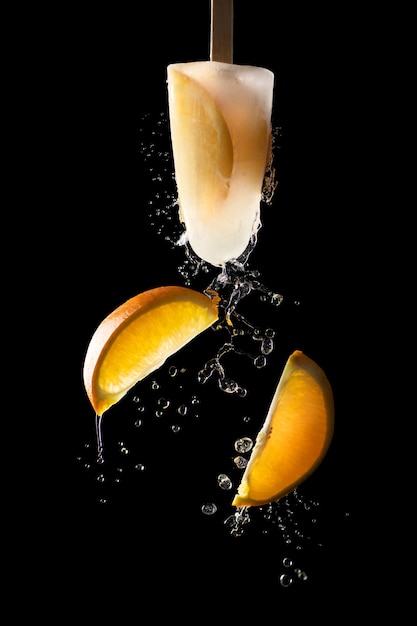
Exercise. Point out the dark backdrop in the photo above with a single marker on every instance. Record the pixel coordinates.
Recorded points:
(109, 143)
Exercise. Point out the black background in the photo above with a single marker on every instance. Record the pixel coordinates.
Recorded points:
(149, 545)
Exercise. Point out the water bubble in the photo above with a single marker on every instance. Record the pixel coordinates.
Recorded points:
(163, 403)
(301, 574)
(243, 444)
(285, 580)
(209, 508)
(224, 482)
(259, 362)
(240, 462)
(267, 345)
(228, 385)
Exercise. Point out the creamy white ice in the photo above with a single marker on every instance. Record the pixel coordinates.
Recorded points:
(220, 124)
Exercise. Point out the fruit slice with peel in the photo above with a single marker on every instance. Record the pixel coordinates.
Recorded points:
(137, 338)
(295, 436)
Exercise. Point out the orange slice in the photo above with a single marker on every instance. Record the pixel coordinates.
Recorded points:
(138, 336)
(202, 145)
(295, 436)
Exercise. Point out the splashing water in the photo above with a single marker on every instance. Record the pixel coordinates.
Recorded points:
(173, 410)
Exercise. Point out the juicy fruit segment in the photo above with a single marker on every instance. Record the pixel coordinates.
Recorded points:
(138, 337)
(220, 122)
(204, 162)
(295, 436)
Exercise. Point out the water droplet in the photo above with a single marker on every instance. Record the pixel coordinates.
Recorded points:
(163, 403)
(103, 500)
(138, 423)
(301, 574)
(182, 409)
(124, 450)
(228, 385)
(240, 462)
(286, 561)
(173, 371)
(244, 444)
(209, 508)
(101, 478)
(267, 345)
(285, 580)
(140, 467)
(136, 399)
(175, 428)
(154, 385)
(224, 482)
(259, 362)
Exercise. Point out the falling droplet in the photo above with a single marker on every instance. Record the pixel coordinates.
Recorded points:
(240, 462)
(259, 362)
(267, 345)
(182, 409)
(140, 467)
(163, 403)
(285, 580)
(224, 482)
(209, 508)
(244, 444)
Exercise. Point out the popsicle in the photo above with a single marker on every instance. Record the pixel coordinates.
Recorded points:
(220, 126)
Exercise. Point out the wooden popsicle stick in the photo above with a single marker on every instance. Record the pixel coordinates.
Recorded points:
(221, 34)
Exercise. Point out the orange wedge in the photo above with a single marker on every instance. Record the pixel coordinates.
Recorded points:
(138, 336)
(203, 149)
(295, 436)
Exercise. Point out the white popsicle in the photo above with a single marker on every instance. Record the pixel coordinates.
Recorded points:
(220, 123)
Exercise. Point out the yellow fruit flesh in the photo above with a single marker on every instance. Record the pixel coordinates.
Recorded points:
(203, 150)
(138, 337)
(295, 436)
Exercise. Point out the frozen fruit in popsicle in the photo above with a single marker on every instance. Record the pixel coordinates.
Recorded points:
(220, 124)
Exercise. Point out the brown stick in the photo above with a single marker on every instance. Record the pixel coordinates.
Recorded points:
(221, 35)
